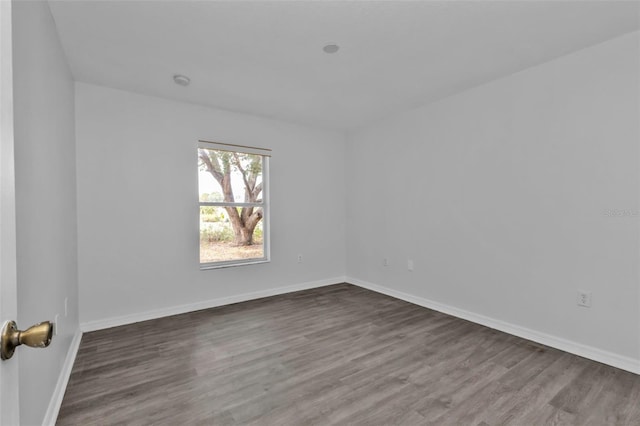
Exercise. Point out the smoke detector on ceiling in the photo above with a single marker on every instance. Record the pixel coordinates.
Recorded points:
(181, 80)
(331, 48)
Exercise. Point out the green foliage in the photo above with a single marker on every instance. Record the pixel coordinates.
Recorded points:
(258, 233)
(211, 197)
(253, 163)
(212, 235)
(212, 214)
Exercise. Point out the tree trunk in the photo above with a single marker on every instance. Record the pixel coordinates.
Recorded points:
(243, 229)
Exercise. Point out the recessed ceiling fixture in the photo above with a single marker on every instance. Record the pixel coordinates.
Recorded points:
(181, 80)
(331, 48)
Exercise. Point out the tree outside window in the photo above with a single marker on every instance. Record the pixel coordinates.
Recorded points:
(233, 204)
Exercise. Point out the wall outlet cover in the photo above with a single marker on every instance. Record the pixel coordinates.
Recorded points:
(584, 298)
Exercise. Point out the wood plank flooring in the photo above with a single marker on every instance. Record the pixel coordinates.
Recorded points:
(335, 355)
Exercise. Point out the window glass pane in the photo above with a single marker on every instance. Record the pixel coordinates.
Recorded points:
(218, 240)
(229, 176)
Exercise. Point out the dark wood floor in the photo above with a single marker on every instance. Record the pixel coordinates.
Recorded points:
(335, 355)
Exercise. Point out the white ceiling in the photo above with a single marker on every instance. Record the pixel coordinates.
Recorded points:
(266, 58)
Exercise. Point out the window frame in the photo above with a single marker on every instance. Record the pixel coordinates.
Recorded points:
(266, 226)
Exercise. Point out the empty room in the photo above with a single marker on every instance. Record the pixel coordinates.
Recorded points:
(320, 212)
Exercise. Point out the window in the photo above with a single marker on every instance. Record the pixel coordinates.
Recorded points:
(234, 204)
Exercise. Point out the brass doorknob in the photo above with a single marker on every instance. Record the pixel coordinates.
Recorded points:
(36, 336)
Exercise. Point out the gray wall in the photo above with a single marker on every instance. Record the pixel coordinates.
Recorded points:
(510, 197)
(45, 199)
(138, 204)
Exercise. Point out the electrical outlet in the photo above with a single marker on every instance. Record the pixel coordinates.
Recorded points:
(584, 298)
(410, 265)
(299, 258)
(56, 325)
(385, 262)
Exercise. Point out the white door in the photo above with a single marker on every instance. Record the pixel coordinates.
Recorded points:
(9, 409)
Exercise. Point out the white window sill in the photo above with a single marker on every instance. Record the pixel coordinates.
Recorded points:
(231, 264)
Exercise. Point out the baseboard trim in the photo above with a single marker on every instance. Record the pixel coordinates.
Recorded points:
(53, 409)
(585, 351)
(206, 304)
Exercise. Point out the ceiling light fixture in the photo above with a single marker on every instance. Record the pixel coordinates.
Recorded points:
(331, 48)
(181, 80)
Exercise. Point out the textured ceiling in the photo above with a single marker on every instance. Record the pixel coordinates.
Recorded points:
(266, 58)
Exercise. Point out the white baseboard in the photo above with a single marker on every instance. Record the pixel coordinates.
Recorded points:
(206, 304)
(53, 409)
(590, 352)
